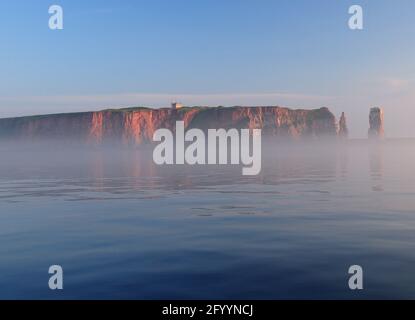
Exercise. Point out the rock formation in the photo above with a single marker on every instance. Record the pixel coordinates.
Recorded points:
(376, 129)
(343, 130)
(137, 125)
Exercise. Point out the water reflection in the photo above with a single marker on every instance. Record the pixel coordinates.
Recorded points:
(376, 163)
(343, 161)
(109, 174)
(126, 228)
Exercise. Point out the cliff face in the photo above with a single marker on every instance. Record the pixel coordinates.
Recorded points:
(137, 125)
(376, 129)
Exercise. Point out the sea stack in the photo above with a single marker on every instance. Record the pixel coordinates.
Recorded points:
(376, 129)
(343, 132)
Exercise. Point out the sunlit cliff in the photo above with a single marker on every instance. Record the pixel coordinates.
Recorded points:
(136, 126)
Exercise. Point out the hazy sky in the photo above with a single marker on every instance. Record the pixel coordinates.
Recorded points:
(296, 53)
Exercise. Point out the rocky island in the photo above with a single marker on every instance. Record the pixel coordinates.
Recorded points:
(137, 125)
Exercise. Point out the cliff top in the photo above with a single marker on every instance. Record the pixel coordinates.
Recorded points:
(139, 108)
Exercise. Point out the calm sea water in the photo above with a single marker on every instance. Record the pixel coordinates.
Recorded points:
(122, 227)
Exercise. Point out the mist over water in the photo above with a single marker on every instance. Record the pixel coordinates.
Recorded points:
(123, 227)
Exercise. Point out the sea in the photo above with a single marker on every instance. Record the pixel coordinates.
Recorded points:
(122, 227)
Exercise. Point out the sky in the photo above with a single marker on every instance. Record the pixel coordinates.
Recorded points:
(294, 53)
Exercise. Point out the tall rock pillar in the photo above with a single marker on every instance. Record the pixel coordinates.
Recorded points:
(376, 125)
(343, 130)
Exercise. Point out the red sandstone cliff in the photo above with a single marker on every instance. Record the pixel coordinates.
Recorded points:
(137, 125)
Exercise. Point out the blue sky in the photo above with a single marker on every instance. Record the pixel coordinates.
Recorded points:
(296, 53)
